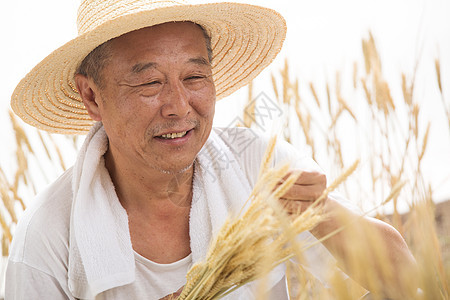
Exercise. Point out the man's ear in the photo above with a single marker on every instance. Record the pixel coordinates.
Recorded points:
(88, 92)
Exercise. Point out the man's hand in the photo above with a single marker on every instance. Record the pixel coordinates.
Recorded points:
(356, 240)
(174, 295)
(308, 187)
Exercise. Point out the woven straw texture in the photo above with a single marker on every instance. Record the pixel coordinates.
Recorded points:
(245, 39)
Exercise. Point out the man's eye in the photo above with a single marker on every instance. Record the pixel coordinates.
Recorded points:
(195, 77)
(151, 83)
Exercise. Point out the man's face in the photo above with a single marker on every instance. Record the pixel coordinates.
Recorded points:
(158, 97)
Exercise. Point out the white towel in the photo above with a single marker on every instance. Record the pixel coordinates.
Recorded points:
(220, 181)
(101, 255)
(220, 189)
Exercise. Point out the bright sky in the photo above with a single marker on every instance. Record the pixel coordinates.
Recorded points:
(323, 36)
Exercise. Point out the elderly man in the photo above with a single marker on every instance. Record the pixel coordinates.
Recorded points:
(147, 190)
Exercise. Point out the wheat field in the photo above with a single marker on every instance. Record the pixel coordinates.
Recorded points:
(393, 145)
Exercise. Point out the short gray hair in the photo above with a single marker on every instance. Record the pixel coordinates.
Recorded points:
(94, 63)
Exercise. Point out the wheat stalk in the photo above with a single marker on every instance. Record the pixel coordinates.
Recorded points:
(437, 66)
(5, 228)
(314, 93)
(425, 142)
(286, 82)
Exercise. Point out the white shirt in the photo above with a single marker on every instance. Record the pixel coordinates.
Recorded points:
(157, 280)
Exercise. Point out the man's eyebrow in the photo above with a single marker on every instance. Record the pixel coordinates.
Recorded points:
(199, 61)
(139, 67)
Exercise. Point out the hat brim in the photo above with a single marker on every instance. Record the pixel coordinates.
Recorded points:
(244, 39)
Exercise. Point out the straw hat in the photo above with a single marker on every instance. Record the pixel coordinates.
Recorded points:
(244, 39)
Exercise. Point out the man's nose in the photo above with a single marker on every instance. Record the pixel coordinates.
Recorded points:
(176, 101)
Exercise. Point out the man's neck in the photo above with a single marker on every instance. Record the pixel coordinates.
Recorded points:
(150, 190)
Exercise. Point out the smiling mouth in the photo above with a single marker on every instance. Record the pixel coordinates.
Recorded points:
(174, 135)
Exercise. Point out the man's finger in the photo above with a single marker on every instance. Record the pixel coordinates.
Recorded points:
(304, 192)
(309, 178)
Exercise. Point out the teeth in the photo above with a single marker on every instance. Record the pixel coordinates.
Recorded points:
(174, 135)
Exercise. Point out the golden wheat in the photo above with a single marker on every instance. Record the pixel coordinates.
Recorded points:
(239, 252)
